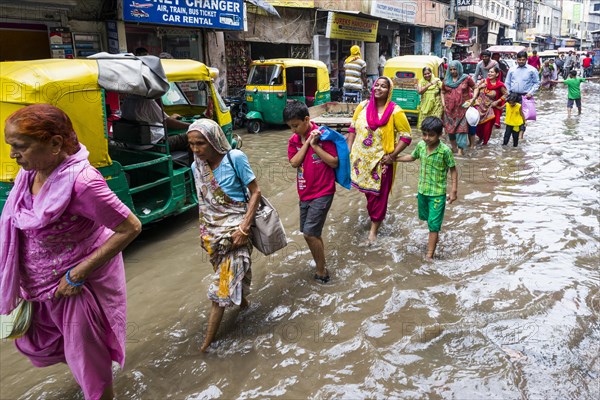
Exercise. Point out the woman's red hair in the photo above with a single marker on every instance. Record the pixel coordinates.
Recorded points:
(42, 121)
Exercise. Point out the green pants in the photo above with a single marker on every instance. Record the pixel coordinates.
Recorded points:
(431, 209)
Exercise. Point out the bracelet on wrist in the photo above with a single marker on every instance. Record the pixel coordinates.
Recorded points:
(70, 282)
(242, 231)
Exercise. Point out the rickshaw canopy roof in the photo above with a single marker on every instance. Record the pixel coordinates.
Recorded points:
(186, 70)
(41, 81)
(293, 62)
(417, 61)
(506, 49)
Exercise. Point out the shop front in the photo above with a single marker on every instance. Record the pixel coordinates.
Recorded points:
(342, 30)
(30, 30)
(267, 37)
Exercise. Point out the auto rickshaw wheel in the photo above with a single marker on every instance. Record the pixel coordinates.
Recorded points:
(255, 126)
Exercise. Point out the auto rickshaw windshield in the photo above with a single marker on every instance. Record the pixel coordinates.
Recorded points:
(265, 75)
(184, 93)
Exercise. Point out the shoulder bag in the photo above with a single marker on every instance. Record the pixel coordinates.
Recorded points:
(266, 232)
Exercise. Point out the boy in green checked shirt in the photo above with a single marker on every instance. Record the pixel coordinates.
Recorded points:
(436, 160)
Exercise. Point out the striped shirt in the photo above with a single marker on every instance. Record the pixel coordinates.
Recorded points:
(434, 168)
(354, 72)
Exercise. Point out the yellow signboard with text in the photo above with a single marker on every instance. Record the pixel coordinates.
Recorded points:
(293, 3)
(350, 27)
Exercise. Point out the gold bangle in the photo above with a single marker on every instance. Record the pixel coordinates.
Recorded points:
(242, 231)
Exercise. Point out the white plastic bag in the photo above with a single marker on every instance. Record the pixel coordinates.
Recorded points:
(472, 116)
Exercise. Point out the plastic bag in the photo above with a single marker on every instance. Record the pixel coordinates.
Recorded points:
(472, 116)
(528, 107)
(342, 172)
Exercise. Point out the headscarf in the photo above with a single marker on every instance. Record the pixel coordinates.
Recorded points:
(213, 133)
(51, 202)
(373, 120)
(372, 116)
(491, 86)
(354, 54)
(461, 75)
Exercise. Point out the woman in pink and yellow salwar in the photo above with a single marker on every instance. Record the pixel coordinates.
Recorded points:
(63, 231)
(378, 133)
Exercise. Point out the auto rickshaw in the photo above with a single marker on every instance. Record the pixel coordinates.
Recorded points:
(406, 72)
(271, 83)
(153, 183)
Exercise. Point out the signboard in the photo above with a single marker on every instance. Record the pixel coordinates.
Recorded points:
(216, 14)
(464, 3)
(467, 35)
(395, 10)
(349, 27)
(293, 3)
(449, 32)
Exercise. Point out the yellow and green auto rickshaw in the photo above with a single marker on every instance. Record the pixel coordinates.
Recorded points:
(406, 72)
(154, 184)
(271, 83)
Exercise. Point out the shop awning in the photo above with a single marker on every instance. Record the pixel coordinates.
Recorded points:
(262, 7)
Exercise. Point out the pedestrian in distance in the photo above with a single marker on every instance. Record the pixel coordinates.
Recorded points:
(62, 232)
(432, 102)
(221, 176)
(457, 90)
(436, 160)
(523, 79)
(488, 97)
(355, 76)
(315, 161)
(534, 60)
(574, 93)
(514, 120)
(588, 66)
(483, 66)
(569, 64)
(378, 133)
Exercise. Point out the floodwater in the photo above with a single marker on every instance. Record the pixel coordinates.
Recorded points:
(509, 310)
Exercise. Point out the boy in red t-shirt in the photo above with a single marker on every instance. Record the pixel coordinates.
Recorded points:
(315, 161)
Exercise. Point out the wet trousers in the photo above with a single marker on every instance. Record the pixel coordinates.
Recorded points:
(71, 330)
(377, 204)
(510, 132)
(484, 130)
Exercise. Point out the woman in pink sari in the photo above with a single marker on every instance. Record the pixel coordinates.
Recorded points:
(63, 231)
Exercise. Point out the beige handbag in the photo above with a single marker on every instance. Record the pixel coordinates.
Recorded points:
(266, 232)
(16, 324)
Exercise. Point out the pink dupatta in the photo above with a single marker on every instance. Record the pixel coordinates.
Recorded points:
(50, 203)
(373, 119)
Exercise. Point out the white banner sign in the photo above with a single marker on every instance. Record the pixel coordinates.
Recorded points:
(395, 10)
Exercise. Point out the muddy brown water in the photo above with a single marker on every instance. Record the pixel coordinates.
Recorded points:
(509, 310)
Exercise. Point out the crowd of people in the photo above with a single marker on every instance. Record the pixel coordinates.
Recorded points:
(63, 229)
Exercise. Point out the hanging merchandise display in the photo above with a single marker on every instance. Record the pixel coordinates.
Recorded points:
(238, 60)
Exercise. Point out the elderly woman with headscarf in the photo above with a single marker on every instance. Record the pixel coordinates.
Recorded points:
(378, 133)
(221, 176)
(456, 90)
(355, 75)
